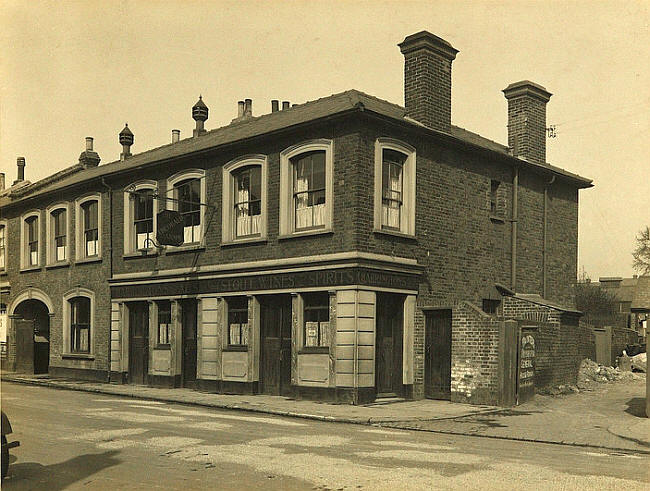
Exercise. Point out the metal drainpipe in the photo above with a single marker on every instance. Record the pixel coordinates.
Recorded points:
(544, 245)
(515, 217)
(110, 271)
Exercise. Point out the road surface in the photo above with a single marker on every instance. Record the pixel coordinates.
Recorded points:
(78, 440)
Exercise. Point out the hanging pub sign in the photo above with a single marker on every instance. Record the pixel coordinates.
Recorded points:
(170, 228)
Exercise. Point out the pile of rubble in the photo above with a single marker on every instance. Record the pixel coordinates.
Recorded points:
(592, 373)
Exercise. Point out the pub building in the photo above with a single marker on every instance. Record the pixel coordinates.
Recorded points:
(343, 249)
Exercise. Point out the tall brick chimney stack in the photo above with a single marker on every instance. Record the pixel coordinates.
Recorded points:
(89, 158)
(20, 175)
(527, 120)
(427, 79)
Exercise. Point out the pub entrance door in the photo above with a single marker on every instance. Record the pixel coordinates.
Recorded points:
(437, 354)
(138, 342)
(388, 344)
(275, 344)
(189, 330)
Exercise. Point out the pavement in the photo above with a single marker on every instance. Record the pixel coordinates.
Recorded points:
(610, 416)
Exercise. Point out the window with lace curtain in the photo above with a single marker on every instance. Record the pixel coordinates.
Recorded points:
(187, 194)
(244, 199)
(306, 177)
(391, 189)
(309, 190)
(394, 187)
(58, 234)
(247, 201)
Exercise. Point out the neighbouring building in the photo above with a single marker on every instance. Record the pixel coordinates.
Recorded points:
(344, 249)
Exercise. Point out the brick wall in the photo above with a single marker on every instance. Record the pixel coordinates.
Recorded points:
(561, 342)
(474, 355)
(56, 282)
(621, 337)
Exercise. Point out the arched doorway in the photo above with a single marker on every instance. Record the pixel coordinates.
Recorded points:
(31, 322)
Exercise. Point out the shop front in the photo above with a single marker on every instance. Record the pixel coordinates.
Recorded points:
(332, 332)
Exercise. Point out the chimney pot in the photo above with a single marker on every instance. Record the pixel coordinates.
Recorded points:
(248, 108)
(2, 181)
(285, 105)
(275, 105)
(89, 158)
(427, 79)
(176, 136)
(527, 120)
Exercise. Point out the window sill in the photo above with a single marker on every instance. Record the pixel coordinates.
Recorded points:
(314, 350)
(135, 255)
(184, 248)
(163, 347)
(306, 233)
(235, 349)
(77, 356)
(30, 268)
(497, 219)
(393, 233)
(3, 272)
(252, 240)
(84, 260)
(62, 264)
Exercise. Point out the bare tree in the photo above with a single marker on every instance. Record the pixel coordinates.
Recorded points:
(641, 253)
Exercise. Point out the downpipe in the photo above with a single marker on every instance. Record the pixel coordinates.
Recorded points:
(110, 271)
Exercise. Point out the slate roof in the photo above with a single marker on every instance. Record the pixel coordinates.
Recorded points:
(641, 299)
(351, 100)
(538, 299)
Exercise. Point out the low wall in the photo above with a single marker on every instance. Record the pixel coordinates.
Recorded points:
(621, 338)
(474, 355)
(559, 352)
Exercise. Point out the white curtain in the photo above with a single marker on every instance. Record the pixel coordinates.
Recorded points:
(60, 253)
(91, 247)
(393, 194)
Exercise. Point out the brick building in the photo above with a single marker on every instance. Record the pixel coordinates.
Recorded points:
(344, 248)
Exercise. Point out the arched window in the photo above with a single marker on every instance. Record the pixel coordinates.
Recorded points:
(244, 199)
(57, 234)
(306, 181)
(78, 322)
(88, 228)
(3, 246)
(188, 196)
(30, 240)
(140, 209)
(79, 325)
(394, 186)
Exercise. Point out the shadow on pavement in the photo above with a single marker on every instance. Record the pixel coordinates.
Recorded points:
(55, 477)
(636, 407)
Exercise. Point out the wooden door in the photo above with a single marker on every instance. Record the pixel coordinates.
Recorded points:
(189, 330)
(275, 341)
(24, 330)
(138, 342)
(437, 353)
(388, 344)
(603, 347)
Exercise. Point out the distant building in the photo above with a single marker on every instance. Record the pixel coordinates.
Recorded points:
(346, 248)
(633, 295)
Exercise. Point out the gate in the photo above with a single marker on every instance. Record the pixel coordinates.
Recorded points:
(24, 330)
(517, 347)
(526, 364)
(603, 340)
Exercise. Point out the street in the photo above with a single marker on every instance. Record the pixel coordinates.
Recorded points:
(74, 440)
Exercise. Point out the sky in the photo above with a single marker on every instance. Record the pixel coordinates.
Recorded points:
(71, 69)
